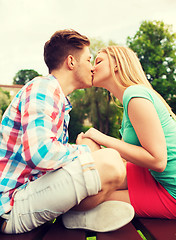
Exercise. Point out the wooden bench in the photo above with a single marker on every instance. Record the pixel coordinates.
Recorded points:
(152, 229)
(156, 229)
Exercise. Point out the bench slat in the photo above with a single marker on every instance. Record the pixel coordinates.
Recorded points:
(58, 231)
(153, 229)
(160, 229)
(126, 232)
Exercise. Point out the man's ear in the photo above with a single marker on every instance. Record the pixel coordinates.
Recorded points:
(70, 62)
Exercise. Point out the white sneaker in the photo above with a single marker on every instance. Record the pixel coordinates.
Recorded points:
(108, 216)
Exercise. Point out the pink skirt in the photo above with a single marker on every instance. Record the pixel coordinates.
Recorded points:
(148, 197)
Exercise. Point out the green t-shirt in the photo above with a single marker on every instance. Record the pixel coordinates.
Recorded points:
(167, 178)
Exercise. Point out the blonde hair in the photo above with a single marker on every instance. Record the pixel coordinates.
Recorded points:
(130, 70)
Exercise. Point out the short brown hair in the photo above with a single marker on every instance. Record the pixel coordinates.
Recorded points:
(61, 44)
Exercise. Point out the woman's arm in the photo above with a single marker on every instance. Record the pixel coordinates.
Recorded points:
(153, 152)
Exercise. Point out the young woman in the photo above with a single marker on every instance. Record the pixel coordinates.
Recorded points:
(148, 145)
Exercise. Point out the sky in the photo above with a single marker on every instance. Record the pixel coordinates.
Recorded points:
(26, 25)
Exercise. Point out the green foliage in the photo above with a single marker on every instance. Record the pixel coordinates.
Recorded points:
(24, 76)
(77, 115)
(103, 113)
(4, 101)
(96, 105)
(155, 45)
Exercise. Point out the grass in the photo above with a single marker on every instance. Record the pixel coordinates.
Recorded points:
(142, 236)
(140, 233)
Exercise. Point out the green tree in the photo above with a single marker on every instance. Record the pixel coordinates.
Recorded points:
(4, 101)
(102, 111)
(155, 45)
(77, 115)
(24, 76)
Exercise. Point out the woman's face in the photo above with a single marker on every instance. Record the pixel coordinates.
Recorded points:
(102, 70)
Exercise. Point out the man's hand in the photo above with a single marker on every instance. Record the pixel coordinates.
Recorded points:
(95, 135)
(87, 141)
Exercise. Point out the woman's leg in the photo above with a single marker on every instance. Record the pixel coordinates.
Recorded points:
(120, 195)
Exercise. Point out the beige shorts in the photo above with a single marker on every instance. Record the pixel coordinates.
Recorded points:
(53, 194)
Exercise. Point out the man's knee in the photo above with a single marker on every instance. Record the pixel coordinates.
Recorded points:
(115, 167)
(110, 166)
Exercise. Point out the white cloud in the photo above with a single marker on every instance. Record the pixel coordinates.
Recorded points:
(27, 24)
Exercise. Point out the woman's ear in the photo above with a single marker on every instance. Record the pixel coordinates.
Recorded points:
(115, 69)
(70, 62)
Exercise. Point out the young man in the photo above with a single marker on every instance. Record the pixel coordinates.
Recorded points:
(41, 175)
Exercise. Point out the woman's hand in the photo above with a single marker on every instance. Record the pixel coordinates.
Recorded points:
(82, 140)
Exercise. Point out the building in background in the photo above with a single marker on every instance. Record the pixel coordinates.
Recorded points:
(12, 89)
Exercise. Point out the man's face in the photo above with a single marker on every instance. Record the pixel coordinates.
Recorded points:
(84, 68)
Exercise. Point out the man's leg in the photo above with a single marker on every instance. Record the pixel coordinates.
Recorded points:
(106, 215)
(42, 200)
(112, 172)
(58, 191)
(52, 195)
